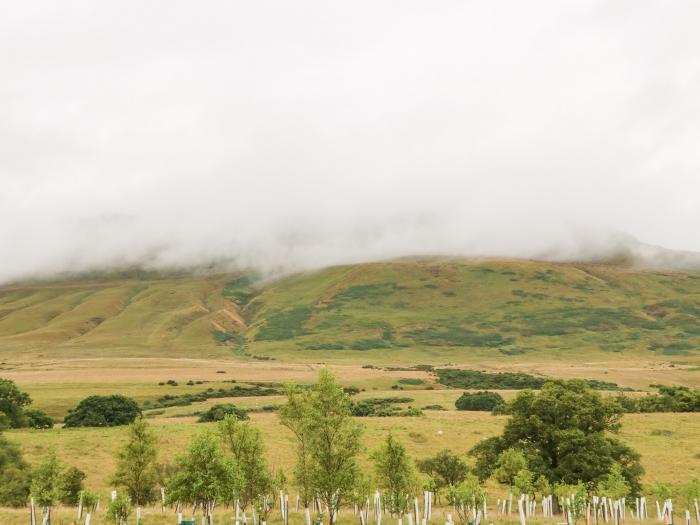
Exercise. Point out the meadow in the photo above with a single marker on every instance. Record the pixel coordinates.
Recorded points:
(152, 335)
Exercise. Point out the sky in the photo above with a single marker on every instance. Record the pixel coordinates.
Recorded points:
(301, 134)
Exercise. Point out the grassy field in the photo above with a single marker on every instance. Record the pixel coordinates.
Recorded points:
(668, 442)
(125, 334)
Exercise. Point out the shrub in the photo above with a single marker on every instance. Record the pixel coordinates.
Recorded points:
(38, 418)
(219, 411)
(15, 475)
(483, 401)
(103, 411)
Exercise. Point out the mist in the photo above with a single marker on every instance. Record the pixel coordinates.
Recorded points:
(290, 135)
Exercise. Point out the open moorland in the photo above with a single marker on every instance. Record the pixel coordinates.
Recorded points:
(159, 337)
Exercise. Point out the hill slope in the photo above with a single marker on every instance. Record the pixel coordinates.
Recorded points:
(427, 310)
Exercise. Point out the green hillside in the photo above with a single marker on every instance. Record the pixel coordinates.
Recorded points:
(428, 310)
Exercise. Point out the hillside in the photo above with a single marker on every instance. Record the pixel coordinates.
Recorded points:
(422, 310)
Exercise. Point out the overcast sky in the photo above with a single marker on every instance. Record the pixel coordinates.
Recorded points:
(304, 133)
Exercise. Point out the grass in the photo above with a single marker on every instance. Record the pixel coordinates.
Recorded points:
(416, 311)
(666, 457)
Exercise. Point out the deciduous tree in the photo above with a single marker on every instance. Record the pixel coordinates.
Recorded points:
(136, 464)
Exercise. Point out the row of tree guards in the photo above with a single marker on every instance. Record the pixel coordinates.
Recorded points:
(596, 510)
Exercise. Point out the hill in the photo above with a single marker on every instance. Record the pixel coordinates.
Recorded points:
(411, 310)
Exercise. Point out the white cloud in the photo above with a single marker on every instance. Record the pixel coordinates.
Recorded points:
(308, 133)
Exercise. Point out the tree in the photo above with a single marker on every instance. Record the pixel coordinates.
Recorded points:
(523, 483)
(328, 440)
(204, 475)
(119, 509)
(293, 416)
(509, 464)
(46, 483)
(564, 432)
(464, 496)
(615, 485)
(219, 411)
(70, 486)
(484, 401)
(692, 492)
(15, 475)
(103, 411)
(445, 468)
(334, 442)
(89, 500)
(136, 464)
(12, 403)
(245, 443)
(39, 419)
(395, 474)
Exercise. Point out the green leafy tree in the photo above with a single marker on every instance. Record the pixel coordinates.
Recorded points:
(245, 443)
(328, 439)
(15, 475)
(334, 442)
(524, 483)
(614, 485)
(662, 491)
(395, 474)
(89, 500)
(564, 430)
(103, 411)
(39, 419)
(464, 496)
(510, 462)
(446, 469)
(204, 475)
(691, 492)
(136, 464)
(70, 486)
(46, 483)
(293, 415)
(575, 500)
(542, 486)
(119, 509)
(12, 403)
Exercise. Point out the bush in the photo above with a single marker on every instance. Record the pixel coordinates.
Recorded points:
(483, 401)
(38, 418)
(103, 411)
(15, 475)
(219, 411)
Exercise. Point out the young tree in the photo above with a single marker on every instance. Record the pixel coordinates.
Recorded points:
(12, 403)
(245, 443)
(119, 509)
(89, 500)
(204, 475)
(510, 462)
(523, 483)
(15, 475)
(71, 485)
(692, 492)
(446, 469)
(464, 496)
(395, 474)
(334, 442)
(293, 415)
(614, 485)
(46, 483)
(564, 429)
(136, 464)
(328, 440)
